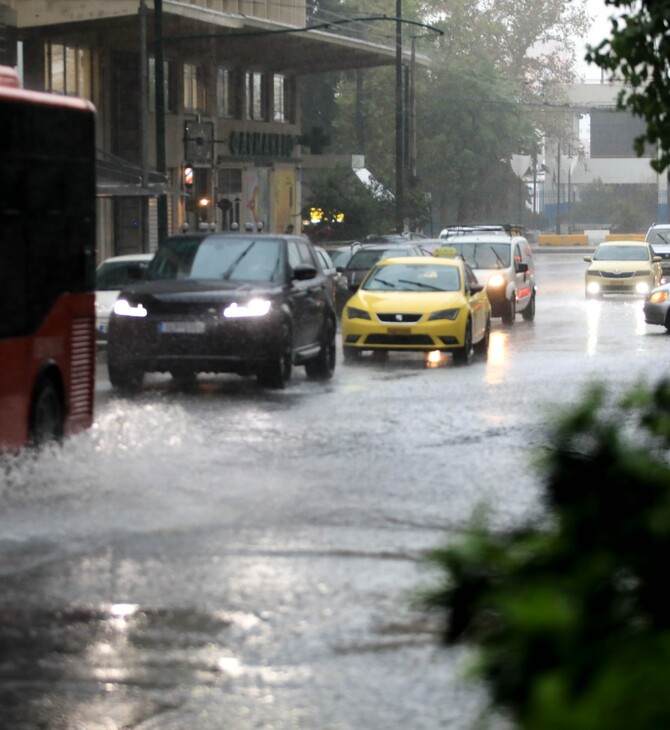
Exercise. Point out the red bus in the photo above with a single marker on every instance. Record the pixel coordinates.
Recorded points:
(47, 264)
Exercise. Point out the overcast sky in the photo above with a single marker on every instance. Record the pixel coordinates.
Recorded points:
(599, 30)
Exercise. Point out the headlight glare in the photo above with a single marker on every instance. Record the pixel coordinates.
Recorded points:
(355, 313)
(497, 280)
(252, 308)
(642, 287)
(123, 308)
(451, 314)
(658, 297)
(593, 287)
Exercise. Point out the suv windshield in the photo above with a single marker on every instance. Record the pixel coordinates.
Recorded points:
(659, 237)
(484, 255)
(118, 274)
(218, 257)
(366, 259)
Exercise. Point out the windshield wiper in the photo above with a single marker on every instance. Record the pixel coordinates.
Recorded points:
(497, 255)
(233, 266)
(421, 284)
(383, 281)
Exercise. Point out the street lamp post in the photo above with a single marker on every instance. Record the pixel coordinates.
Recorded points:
(399, 157)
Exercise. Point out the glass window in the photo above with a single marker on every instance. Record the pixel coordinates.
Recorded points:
(281, 98)
(256, 96)
(67, 70)
(168, 86)
(193, 89)
(225, 92)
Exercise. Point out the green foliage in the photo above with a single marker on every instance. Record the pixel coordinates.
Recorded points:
(571, 618)
(638, 51)
(337, 192)
(625, 208)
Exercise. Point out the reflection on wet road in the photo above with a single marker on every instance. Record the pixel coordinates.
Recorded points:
(230, 557)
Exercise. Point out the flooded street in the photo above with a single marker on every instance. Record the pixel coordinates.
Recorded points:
(233, 557)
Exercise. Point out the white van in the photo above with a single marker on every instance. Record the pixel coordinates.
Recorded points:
(503, 263)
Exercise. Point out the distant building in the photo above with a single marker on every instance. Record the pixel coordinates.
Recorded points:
(233, 144)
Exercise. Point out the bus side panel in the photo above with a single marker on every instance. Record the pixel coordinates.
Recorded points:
(17, 377)
(67, 356)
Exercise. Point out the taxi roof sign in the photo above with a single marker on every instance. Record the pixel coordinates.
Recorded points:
(446, 251)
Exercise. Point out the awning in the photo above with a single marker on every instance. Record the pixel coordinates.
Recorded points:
(116, 177)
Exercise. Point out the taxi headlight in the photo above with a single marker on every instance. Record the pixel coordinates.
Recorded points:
(658, 297)
(451, 314)
(642, 287)
(497, 280)
(355, 313)
(123, 308)
(593, 287)
(252, 308)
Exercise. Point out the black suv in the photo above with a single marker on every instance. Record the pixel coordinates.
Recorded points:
(252, 304)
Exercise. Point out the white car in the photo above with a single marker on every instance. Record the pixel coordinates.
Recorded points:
(111, 276)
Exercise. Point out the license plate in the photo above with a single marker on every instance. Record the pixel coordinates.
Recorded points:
(399, 331)
(181, 328)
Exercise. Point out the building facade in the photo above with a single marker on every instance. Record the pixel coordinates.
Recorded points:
(199, 121)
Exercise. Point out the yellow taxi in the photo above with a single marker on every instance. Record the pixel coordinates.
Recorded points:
(622, 267)
(418, 304)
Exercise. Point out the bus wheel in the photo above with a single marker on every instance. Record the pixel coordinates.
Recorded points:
(46, 416)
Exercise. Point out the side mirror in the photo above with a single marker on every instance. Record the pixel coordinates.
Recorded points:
(588, 259)
(522, 267)
(476, 288)
(303, 272)
(657, 258)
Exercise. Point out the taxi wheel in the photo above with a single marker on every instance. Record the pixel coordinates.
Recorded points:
(351, 354)
(510, 315)
(463, 355)
(482, 347)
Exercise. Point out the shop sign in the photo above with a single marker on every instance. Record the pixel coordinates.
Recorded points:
(260, 144)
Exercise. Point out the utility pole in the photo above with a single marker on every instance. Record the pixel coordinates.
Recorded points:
(399, 157)
(161, 207)
(144, 150)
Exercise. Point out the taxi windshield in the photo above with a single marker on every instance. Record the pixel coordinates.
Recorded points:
(621, 253)
(413, 277)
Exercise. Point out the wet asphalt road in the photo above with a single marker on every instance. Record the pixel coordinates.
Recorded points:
(229, 557)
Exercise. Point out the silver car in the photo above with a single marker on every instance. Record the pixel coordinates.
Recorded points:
(657, 306)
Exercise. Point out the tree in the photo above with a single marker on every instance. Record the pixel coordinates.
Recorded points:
(571, 615)
(626, 208)
(639, 52)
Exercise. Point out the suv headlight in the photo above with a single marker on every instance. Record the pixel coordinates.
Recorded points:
(123, 308)
(252, 308)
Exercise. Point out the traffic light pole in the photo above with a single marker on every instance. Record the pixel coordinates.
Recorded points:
(161, 203)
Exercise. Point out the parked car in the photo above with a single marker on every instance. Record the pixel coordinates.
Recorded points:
(338, 281)
(503, 263)
(418, 304)
(368, 255)
(111, 276)
(622, 267)
(252, 304)
(404, 237)
(657, 306)
(658, 237)
(340, 252)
